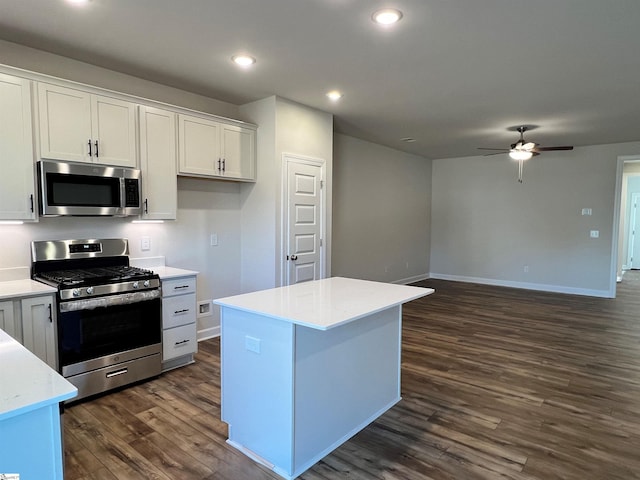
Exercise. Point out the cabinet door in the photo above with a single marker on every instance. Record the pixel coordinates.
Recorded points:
(238, 152)
(158, 163)
(65, 123)
(8, 320)
(199, 146)
(114, 128)
(16, 150)
(38, 328)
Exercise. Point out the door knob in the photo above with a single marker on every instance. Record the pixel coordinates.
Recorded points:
(294, 257)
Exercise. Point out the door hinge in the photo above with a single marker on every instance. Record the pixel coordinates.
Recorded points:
(320, 242)
(321, 183)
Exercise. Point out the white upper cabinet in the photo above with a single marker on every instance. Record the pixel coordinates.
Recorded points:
(17, 187)
(208, 148)
(238, 152)
(82, 127)
(158, 163)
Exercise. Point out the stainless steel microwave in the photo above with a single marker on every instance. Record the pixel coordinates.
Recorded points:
(67, 188)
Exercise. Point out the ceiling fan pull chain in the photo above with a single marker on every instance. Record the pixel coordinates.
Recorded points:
(520, 163)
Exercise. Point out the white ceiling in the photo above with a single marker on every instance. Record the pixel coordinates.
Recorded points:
(453, 74)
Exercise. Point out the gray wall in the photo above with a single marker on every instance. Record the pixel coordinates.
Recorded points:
(487, 227)
(381, 212)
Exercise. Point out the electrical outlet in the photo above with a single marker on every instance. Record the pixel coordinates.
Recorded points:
(526, 269)
(213, 239)
(204, 308)
(145, 244)
(594, 233)
(252, 344)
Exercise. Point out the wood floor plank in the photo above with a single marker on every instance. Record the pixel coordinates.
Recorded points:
(497, 383)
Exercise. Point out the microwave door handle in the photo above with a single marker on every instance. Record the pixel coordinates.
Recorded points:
(123, 203)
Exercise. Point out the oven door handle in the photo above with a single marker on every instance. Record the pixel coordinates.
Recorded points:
(109, 301)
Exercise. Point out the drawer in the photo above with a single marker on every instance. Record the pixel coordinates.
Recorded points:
(179, 341)
(178, 310)
(178, 286)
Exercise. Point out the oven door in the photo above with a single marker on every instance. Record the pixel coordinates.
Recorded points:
(102, 331)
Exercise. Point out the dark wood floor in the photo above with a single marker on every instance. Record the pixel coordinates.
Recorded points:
(497, 384)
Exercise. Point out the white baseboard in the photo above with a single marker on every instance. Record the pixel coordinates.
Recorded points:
(207, 333)
(524, 285)
(416, 278)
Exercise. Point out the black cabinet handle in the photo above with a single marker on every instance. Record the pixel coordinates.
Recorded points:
(219, 163)
(96, 148)
(184, 310)
(31, 199)
(90, 152)
(50, 314)
(181, 343)
(224, 161)
(146, 206)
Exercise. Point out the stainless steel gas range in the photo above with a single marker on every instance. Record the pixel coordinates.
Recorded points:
(109, 324)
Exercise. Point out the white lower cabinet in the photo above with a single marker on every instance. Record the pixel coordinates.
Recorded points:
(31, 321)
(179, 337)
(8, 320)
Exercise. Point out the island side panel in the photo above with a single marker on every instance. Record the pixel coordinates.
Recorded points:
(345, 378)
(257, 385)
(31, 444)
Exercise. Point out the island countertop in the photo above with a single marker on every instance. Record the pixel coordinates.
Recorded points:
(324, 304)
(27, 382)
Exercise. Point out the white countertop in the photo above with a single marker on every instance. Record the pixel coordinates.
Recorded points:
(23, 288)
(26, 382)
(157, 265)
(324, 304)
(171, 272)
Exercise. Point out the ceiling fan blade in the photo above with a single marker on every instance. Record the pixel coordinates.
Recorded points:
(495, 153)
(501, 149)
(528, 146)
(551, 149)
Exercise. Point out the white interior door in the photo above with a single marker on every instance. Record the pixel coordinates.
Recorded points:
(634, 233)
(304, 220)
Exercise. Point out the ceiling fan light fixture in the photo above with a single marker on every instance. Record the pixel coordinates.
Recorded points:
(520, 154)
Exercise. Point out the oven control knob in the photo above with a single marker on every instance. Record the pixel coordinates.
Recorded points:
(89, 290)
(76, 292)
(135, 285)
(146, 283)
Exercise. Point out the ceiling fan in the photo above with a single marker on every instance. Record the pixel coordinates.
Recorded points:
(523, 150)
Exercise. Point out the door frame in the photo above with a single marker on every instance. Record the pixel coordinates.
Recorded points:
(288, 159)
(617, 205)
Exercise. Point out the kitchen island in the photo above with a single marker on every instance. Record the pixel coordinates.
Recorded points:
(306, 367)
(30, 393)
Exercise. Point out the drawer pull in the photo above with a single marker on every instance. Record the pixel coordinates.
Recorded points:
(180, 287)
(178, 312)
(122, 371)
(182, 342)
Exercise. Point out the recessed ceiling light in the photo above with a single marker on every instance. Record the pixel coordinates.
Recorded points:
(78, 2)
(243, 60)
(386, 16)
(334, 95)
